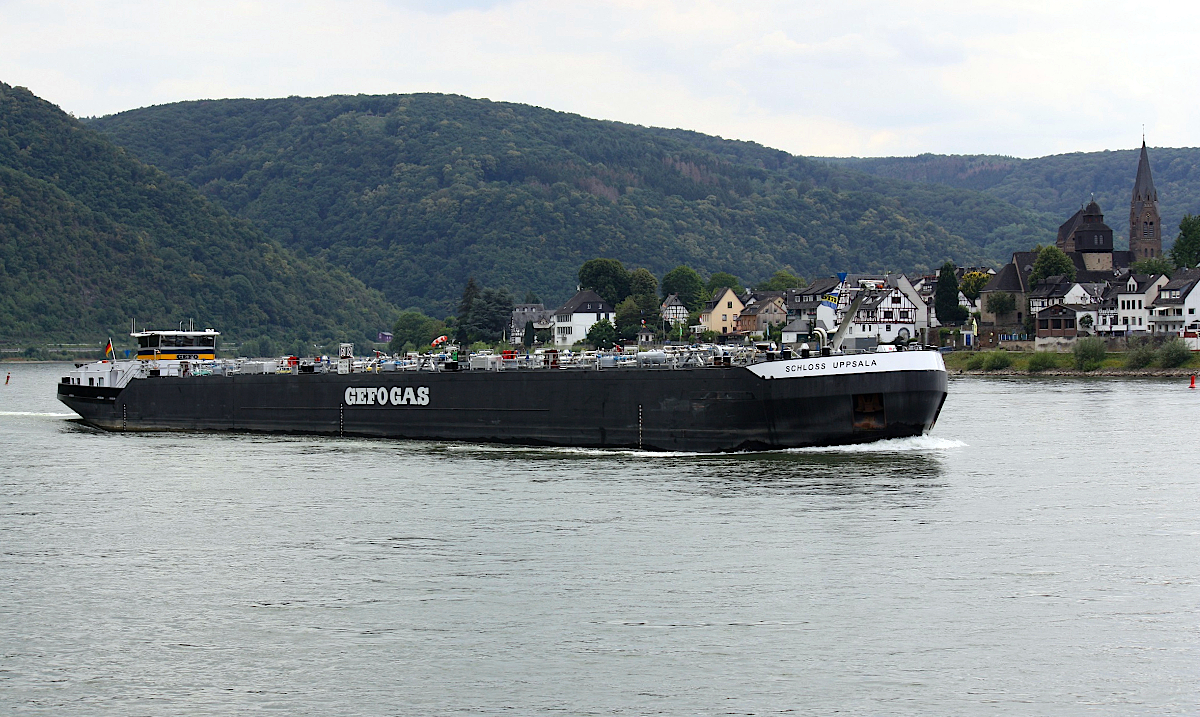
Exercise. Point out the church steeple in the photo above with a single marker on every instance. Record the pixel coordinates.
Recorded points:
(1145, 230)
(1143, 186)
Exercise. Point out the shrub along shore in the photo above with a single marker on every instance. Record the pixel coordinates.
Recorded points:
(1089, 358)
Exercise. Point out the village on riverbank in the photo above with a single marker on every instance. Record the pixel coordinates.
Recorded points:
(1078, 305)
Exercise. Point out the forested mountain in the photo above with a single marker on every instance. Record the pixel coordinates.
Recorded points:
(1059, 184)
(415, 193)
(91, 238)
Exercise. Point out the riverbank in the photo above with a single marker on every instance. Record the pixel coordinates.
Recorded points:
(1072, 373)
(1040, 363)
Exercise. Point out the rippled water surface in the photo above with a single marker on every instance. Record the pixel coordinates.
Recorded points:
(1039, 553)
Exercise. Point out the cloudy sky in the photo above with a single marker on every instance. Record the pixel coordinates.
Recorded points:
(1017, 77)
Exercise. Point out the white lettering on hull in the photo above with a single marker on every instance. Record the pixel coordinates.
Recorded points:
(857, 363)
(396, 396)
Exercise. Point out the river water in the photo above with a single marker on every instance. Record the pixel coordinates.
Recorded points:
(1038, 553)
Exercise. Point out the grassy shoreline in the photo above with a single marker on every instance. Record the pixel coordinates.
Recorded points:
(1058, 364)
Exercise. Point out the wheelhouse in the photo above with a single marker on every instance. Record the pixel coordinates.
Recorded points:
(177, 345)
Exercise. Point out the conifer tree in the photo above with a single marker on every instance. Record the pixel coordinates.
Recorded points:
(945, 301)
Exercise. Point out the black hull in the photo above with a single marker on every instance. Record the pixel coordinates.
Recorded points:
(701, 409)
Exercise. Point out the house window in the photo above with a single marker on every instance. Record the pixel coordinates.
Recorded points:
(1070, 323)
(728, 304)
(905, 314)
(724, 317)
(895, 299)
(724, 329)
(1043, 323)
(1056, 323)
(887, 314)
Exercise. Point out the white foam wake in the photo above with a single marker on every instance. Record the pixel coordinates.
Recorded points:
(916, 444)
(568, 450)
(33, 413)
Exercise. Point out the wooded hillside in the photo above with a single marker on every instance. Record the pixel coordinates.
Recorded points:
(415, 193)
(92, 238)
(1060, 184)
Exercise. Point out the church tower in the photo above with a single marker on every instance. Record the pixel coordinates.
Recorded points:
(1145, 228)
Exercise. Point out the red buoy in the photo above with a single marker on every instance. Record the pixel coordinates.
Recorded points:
(1193, 381)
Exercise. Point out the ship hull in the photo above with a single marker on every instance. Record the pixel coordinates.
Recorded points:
(694, 409)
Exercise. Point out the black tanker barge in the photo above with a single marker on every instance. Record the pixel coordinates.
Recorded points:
(668, 403)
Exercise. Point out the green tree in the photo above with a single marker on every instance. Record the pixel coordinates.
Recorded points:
(687, 284)
(490, 315)
(1001, 303)
(629, 318)
(945, 300)
(529, 334)
(721, 280)
(972, 283)
(1186, 252)
(413, 327)
(642, 283)
(465, 304)
(606, 277)
(602, 335)
(531, 298)
(781, 281)
(1153, 265)
(1051, 261)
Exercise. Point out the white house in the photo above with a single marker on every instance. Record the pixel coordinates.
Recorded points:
(887, 315)
(573, 320)
(1134, 298)
(673, 310)
(1060, 290)
(1174, 310)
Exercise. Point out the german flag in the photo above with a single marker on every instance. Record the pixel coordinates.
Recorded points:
(110, 351)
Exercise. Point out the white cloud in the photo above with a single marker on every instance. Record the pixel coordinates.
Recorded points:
(1013, 77)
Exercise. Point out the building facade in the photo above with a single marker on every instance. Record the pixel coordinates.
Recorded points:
(575, 318)
(1176, 309)
(721, 314)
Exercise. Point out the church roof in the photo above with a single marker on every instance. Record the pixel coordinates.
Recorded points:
(1066, 228)
(1007, 279)
(1143, 186)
